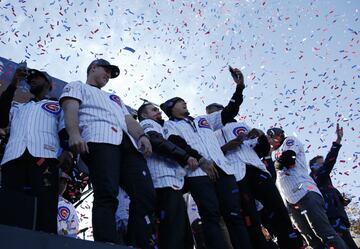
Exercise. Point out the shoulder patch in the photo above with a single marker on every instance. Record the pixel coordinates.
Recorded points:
(64, 213)
(147, 126)
(115, 98)
(290, 142)
(239, 130)
(203, 123)
(67, 89)
(51, 107)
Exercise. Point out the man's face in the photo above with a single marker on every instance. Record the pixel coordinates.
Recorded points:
(180, 109)
(152, 112)
(275, 141)
(37, 84)
(101, 75)
(320, 161)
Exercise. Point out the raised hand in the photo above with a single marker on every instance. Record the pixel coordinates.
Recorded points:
(237, 76)
(339, 133)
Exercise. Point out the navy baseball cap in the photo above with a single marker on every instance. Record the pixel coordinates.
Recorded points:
(220, 106)
(169, 104)
(115, 71)
(272, 132)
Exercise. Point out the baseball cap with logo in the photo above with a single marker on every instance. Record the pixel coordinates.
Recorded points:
(115, 71)
(272, 132)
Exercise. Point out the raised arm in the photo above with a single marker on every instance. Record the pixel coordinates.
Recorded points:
(232, 109)
(331, 157)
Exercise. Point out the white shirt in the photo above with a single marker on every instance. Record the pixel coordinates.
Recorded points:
(199, 134)
(164, 171)
(244, 154)
(101, 114)
(68, 221)
(192, 208)
(34, 126)
(295, 182)
(122, 211)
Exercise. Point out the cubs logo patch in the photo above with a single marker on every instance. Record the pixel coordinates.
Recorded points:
(64, 213)
(290, 142)
(115, 98)
(239, 130)
(51, 107)
(203, 123)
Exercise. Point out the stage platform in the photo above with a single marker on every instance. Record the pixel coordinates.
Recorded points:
(18, 238)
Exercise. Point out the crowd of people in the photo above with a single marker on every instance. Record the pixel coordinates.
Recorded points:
(248, 188)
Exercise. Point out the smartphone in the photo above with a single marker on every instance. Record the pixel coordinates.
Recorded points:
(233, 74)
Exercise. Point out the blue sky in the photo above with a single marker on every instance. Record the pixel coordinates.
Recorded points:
(300, 58)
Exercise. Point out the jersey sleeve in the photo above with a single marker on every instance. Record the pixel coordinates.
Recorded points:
(251, 142)
(14, 110)
(123, 107)
(150, 125)
(73, 90)
(220, 137)
(170, 129)
(292, 143)
(214, 120)
(61, 121)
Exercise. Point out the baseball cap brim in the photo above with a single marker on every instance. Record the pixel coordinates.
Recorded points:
(115, 71)
(34, 72)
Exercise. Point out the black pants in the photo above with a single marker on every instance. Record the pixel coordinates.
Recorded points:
(251, 216)
(171, 212)
(109, 167)
(263, 188)
(37, 177)
(343, 232)
(215, 199)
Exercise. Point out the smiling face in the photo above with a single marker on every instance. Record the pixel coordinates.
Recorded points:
(276, 141)
(99, 76)
(180, 109)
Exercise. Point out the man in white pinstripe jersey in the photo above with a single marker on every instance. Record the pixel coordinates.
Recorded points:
(30, 163)
(243, 147)
(215, 193)
(167, 170)
(303, 197)
(102, 130)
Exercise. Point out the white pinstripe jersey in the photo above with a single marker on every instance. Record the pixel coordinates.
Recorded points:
(199, 134)
(34, 126)
(164, 171)
(192, 208)
(67, 219)
(101, 114)
(243, 155)
(295, 182)
(122, 211)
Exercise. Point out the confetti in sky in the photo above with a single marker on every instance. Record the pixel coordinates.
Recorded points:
(300, 59)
